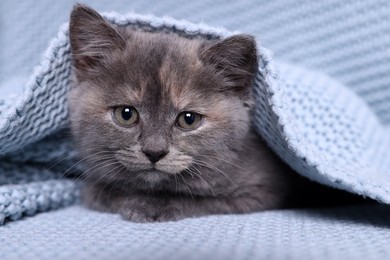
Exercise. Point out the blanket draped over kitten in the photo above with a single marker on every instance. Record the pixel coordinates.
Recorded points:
(162, 124)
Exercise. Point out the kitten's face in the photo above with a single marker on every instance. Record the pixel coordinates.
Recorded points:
(149, 106)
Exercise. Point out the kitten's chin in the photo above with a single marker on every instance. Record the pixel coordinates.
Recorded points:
(158, 174)
(153, 176)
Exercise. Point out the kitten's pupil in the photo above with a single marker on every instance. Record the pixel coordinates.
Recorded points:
(127, 113)
(125, 116)
(189, 118)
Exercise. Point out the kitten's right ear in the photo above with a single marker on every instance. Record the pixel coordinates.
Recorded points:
(91, 37)
(235, 58)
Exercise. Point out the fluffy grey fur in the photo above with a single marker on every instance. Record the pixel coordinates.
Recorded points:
(154, 170)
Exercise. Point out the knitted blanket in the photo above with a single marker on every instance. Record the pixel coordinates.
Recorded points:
(315, 123)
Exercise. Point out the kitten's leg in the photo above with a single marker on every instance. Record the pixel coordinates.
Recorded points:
(141, 207)
(146, 208)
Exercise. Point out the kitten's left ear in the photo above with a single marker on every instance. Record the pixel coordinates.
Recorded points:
(236, 58)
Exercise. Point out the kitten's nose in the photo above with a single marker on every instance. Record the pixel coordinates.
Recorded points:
(155, 156)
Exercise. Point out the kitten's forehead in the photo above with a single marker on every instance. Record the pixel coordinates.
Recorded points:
(166, 68)
(178, 81)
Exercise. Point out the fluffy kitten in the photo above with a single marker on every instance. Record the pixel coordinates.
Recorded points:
(163, 124)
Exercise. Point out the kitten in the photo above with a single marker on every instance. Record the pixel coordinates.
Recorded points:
(163, 124)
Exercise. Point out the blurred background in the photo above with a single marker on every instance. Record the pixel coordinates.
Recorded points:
(349, 39)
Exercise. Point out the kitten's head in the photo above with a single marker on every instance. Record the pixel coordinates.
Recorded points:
(149, 106)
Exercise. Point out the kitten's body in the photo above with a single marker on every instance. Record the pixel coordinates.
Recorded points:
(154, 170)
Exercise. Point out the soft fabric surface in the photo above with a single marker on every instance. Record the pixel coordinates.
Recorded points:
(333, 130)
(76, 233)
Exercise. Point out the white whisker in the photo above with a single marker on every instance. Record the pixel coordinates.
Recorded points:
(188, 188)
(213, 167)
(199, 175)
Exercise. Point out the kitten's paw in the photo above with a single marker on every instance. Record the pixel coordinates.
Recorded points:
(151, 215)
(136, 216)
(168, 214)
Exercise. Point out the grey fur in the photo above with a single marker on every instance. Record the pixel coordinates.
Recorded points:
(222, 167)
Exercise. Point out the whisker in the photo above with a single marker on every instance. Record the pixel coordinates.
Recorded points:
(92, 168)
(81, 161)
(126, 156)
(110, 163)
(199, 175)
(213, 167)
(104, 163)
(118, 167)
(101, 177)
(68, 156)
(176, 186)
(126, 182)
(229, 162)
(55, 162)
(87, 157)
(185, 183)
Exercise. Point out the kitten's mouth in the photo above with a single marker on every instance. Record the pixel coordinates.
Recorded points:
(154, 171)
(158, 168)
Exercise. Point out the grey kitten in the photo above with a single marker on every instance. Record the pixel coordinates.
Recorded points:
(163, 124)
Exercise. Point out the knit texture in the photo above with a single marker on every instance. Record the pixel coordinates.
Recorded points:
(332, 127)
(323, 234)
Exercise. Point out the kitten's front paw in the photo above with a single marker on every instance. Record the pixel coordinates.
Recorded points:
(146, 215)
(136, 216)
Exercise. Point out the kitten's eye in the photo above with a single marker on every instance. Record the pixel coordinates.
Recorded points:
(126, 116)
(189, 120)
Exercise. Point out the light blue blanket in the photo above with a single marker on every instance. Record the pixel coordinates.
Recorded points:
(333, 126)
